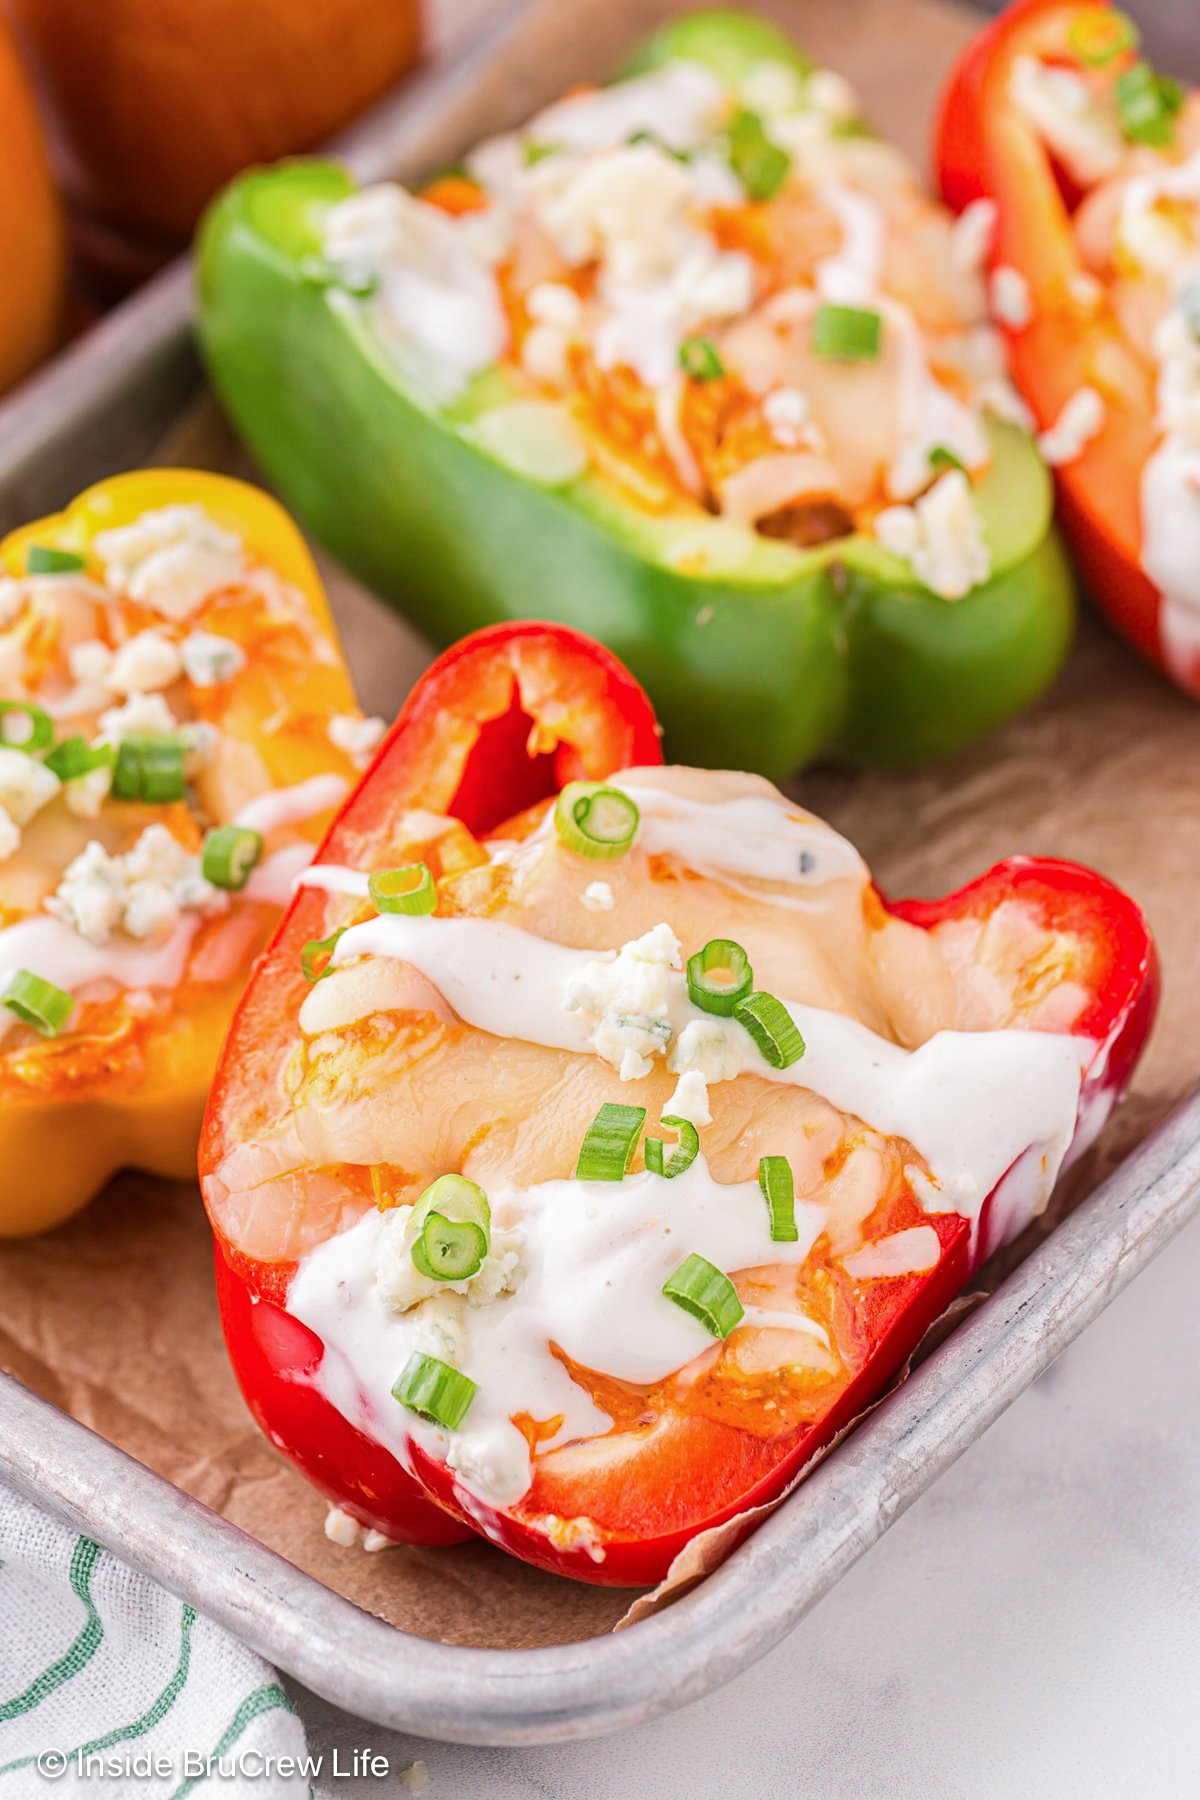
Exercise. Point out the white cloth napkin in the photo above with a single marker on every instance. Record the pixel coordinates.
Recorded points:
(112, 1688)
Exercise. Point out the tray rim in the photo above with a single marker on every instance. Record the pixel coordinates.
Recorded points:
(558, 1693)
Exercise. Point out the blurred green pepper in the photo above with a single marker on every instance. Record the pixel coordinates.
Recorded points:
(758, 654)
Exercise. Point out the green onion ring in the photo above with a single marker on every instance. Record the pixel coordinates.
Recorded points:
(410, 889)
(700, 359)
(149, 768)
(1146, 104)
(434, 1391)
(779, 1192)
(609, 1143)
(773, 1029)
(38, 1003)
(595, 820)
(229, 854)
(846, 334)
(449, 1251)
(1102, 34)
(705, 1292)
(719, 976)
(74, 757)
(449, 1229)
(315, 948)
(759, 164)
(43, 559)
(682, 1157)
(940, 458)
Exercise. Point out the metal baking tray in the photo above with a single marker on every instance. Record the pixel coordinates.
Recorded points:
(104, 405)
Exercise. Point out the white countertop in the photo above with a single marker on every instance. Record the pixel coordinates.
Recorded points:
(1030, 1628)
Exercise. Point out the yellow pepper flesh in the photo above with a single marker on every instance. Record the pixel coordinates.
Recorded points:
(61, 1140)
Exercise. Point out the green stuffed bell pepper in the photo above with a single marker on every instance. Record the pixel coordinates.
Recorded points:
(690, 363)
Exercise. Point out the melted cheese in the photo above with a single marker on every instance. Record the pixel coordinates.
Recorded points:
(469, 1021)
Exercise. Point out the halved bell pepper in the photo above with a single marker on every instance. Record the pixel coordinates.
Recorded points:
(1066, 336)
(153, 690)
(497, 725)
(760, 651)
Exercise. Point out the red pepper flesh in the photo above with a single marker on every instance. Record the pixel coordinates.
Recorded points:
(986, 149)
(474, 741)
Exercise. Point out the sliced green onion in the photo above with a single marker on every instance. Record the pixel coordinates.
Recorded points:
(649, 137)
(535, 153)
(704, 1291)
(448, 1251)
(314, 950)
(434, 1391)
(609, 1143)
(410, 889)
(38, 733)
(846, 334)
(682, 1157)
(700, 359)
(1100, 35)
(149, 767)
(456, 1197)
(1146, 104)
(772, 1027)
(43, 559)
(761, 166)
(719, 976)
(450, 1229)
(594, 820)
(74, 757)
(38, 1003)
(229, 854)
(779, 1192)
(941, 458)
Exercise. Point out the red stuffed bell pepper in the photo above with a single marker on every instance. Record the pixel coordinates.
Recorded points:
(623, 1144)
(1091, 161)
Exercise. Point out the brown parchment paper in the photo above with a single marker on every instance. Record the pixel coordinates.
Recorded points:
(112, 1317)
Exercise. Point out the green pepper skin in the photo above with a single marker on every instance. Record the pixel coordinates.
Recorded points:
(730, 42)
(787, 655)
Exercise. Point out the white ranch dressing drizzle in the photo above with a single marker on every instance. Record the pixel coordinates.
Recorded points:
(51, 949)
(278, 876)
(292, 805)
(929, 416)
(275, 879)
(970, 1102)
(750, 835)
(54, 950)
(437, 297)
(595, 1256)
(333, 879)
(852, 276)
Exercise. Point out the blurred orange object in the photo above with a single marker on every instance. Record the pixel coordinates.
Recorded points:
(154, 104)
(30, 227)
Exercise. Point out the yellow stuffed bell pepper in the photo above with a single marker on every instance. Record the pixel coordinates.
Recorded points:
(177, 728)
